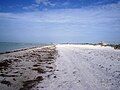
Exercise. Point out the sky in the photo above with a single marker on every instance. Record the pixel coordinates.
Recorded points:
(60, 21)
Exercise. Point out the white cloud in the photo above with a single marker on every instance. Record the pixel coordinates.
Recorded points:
(40, 1)
(84, 16)
(36, 6)
(33, 7)
(45, 2)
(92, 23)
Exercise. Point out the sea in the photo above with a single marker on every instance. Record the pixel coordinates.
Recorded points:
(10, 46)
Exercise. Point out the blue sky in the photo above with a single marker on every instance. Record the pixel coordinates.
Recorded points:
(60, 21)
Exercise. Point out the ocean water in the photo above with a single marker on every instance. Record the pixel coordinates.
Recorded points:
(9, 46)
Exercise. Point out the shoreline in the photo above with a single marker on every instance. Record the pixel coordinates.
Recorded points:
(16, 50)
(115, 46)
(20, 49)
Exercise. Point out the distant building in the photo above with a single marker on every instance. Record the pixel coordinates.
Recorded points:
(102, 43)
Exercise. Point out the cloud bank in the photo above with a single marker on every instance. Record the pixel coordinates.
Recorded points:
(90, 24)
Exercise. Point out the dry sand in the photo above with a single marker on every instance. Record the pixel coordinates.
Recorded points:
(61, 67)
(84, 67)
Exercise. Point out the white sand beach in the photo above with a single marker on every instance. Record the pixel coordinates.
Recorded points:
(62, 67)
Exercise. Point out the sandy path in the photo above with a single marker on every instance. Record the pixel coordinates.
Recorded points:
(84, 68)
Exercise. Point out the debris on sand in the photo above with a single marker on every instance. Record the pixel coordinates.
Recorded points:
(8, 83)
(26, 69)
(4, 64)
(31, 83)
(36, 65)
(49, 67)
(5, 75)
(39, 70)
